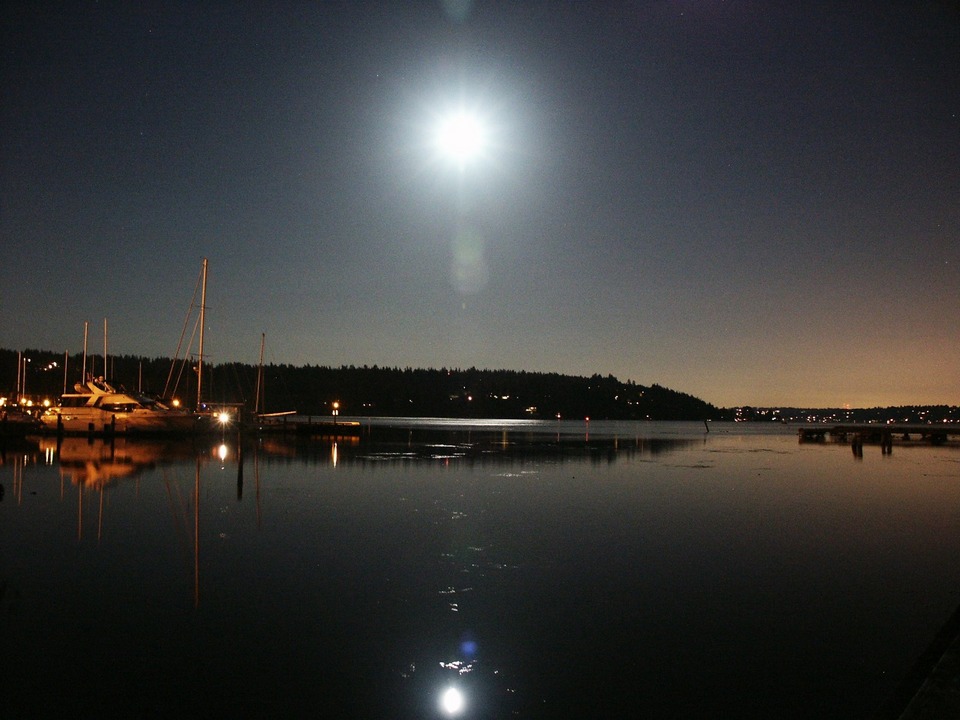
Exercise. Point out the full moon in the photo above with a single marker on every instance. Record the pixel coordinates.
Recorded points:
(461, 136)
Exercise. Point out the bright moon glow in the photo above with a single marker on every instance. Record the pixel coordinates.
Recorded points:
(452, 701)
(461, 136)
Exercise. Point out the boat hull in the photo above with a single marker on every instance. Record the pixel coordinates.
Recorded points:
(94, 421)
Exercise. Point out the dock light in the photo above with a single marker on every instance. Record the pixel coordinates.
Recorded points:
(223, 417)
(452, 701)
(336, 408)
(175, 403)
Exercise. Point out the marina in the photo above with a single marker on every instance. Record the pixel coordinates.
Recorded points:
(97, 408)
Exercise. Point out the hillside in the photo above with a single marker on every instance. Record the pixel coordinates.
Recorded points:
(374, 390)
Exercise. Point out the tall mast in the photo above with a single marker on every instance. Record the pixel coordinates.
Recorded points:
(105, 350)
(256, 404)
(83, 377)
(203, 308)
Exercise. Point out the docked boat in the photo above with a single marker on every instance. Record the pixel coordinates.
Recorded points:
(97, 408)
(16, 423)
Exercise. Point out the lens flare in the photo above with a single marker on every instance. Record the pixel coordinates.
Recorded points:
(469, 272)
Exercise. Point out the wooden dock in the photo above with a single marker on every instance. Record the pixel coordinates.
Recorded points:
(307, 427)
(874, 433)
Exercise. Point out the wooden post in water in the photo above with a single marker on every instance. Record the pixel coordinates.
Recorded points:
(857, 445)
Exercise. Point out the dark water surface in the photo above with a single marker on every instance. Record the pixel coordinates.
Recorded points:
(642, 570)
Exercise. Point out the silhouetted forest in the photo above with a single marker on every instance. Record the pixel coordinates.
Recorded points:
(408, 392)
(382, 391)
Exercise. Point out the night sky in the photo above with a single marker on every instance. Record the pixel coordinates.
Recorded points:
(752, 202)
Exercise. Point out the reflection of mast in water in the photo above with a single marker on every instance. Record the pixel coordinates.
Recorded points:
(100, 517)
(256, 480)
(196, 537)
(18, 464)
(80, 489)
(180, 509)
(239, 470)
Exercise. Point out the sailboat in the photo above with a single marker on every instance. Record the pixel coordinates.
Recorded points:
(95, 407)
(267, 422)
(210, 418)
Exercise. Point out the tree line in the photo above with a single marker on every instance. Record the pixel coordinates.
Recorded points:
(360, 391)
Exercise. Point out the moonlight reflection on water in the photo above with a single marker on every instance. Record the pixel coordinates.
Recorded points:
(537, 570)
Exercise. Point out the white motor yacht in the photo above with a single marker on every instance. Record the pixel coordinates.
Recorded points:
(98, 408)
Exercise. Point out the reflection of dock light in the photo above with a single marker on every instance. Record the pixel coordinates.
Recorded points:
(222, 452)
(452, 701)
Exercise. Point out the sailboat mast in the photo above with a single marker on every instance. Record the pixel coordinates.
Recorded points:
(257, 403)
(203, 308)
(104, 349)
(83, 377)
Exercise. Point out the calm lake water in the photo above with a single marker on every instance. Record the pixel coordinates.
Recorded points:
(635, 570)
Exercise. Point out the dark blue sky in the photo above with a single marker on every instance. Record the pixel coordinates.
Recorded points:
(753, 202)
